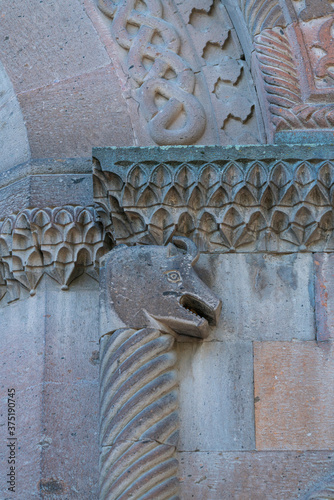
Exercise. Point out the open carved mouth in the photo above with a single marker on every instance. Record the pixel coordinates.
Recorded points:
(198, 308)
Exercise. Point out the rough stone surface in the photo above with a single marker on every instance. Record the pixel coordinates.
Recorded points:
(22, 367)
(264, 297)
(60, 116)
(324, 294)
(54, 42)
(14, 144)
(216, 396)
(294, 390)
(49, 354)
(70, 438)
(252, 475)
(48, 182)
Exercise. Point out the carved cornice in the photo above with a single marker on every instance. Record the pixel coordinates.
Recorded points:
(225, 199)
(62, 242)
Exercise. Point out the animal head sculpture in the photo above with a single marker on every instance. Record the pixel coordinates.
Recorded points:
(157, 286)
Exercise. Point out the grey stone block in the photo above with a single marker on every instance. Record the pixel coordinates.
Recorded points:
(22, 368)
(43, 42)
(49, 354)
(14, 145)
(265, 297)
(68, 118)
(216, 396)
(46, 183)
(252, 476)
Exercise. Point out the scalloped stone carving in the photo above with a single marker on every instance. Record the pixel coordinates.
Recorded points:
(62, 242)
(223, 205)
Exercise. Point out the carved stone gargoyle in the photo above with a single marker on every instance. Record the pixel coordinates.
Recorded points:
(153, 295)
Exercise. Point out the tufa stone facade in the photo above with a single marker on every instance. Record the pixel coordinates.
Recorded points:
(166, 300)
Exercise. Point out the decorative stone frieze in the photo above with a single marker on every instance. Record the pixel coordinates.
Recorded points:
(62, 242)
(155, 291)
(233, 199)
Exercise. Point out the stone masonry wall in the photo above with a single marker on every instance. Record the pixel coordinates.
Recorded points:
(257, 395)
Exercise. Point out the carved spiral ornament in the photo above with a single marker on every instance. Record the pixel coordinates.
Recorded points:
(145, 35)
(139, 418)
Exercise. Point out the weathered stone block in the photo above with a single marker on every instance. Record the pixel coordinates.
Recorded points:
(22, 368)
(294, 391)
(264, 297)
(71, 333)
(252, 475)
(71, 390)
(51, 111)
(43, 42)
(30, 438)
(70, 453)
(216, 396)
(49, 354)
(324, 295)
(47, 182)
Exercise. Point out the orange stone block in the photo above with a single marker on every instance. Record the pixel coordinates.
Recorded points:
(294, 395)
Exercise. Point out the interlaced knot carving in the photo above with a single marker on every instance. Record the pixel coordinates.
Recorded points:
(146, 36)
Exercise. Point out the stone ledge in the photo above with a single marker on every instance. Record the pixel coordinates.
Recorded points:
(252, 475)
(46, 182)
(273, 198)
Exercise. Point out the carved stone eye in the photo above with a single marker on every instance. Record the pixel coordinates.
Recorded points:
(173, 276)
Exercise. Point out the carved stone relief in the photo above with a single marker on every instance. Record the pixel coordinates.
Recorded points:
(293, 42)
(157, 294)
(61, 242)
(184, 67)
(237, 204)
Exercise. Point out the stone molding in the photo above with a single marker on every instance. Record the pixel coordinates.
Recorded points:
(247, 199)
(62, 242)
